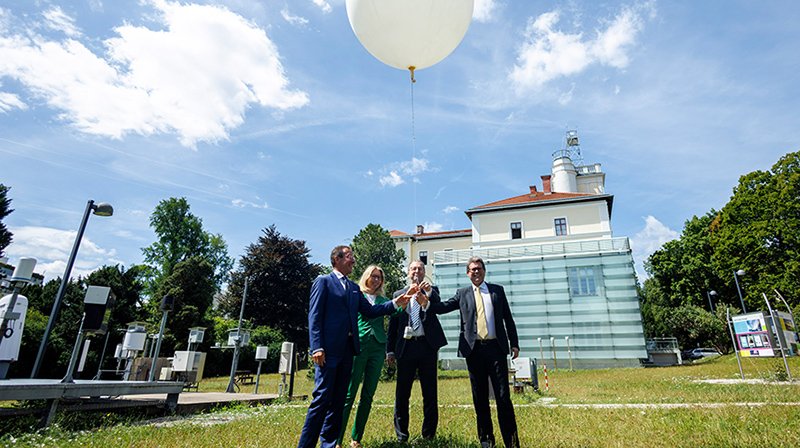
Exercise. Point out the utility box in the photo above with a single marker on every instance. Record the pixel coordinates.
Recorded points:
(12, 338)
(196, 335)
(186, 361)
(287, 356)
(135, 337)
(233, 335)
(261, 353)
(97, 306)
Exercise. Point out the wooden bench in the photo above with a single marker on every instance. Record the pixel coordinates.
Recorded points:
(244, 377)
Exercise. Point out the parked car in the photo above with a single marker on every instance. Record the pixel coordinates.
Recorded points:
(699, 353)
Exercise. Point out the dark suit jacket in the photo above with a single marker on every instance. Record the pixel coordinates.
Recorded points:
(333, 315)
(464, 301)
(434, 335)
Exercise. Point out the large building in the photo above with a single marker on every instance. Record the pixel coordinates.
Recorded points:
(571, 284)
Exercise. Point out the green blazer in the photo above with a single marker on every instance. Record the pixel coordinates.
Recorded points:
(372, 327)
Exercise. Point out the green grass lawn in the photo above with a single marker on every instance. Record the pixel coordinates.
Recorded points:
(582, 408)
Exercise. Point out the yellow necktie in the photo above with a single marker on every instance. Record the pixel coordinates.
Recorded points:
(483, 331)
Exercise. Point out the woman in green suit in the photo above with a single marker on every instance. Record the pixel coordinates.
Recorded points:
(368, 364)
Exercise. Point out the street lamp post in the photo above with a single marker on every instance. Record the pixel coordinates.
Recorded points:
(711, 294)
(736, 275)
(102, 209)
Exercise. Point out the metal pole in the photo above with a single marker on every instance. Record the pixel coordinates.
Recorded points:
(61, 290)
(291, 373)
(733, 339)
(739, 290)
(258, 376)
(237, 342)
(569, 352)
(788, 308)
(541, 352)
(74, 358)
(779, 334)
(553, 347)
(102, 356)
(158, 347)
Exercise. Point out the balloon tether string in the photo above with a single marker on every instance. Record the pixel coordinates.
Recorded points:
(413, 144)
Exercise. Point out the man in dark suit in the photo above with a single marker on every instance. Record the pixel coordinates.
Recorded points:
(333, 335)
(414, 340)
(487, 333)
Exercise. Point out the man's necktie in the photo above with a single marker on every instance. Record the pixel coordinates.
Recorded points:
(483, 330)
(414, 314)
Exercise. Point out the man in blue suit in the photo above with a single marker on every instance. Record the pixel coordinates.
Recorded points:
(333, 334)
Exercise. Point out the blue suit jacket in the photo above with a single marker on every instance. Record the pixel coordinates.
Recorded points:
(333, 315)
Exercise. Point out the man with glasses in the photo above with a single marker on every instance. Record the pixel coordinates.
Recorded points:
(488, 335)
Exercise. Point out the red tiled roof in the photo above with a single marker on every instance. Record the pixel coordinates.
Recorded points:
(536, 196)
(443, 234)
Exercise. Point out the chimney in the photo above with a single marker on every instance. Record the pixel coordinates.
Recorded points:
(420, 229)
(533, 189)
(546, 184)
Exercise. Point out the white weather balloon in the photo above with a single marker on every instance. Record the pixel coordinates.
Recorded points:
(410, 34)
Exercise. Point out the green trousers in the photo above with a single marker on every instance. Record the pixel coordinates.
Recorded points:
(367, 367)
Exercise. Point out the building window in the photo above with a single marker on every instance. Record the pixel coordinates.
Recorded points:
(516, 230)
(561, 226)
(423, 256)
(582, 281)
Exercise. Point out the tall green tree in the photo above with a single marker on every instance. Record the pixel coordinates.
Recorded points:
(180, 236)
(758, 230)
(373, 245)
(5, 210)
(682, 268)
(191, 285)
(280, 276)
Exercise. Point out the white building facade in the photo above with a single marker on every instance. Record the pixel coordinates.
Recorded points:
(570, 283)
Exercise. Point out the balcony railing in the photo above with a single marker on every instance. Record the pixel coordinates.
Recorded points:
(535, 250)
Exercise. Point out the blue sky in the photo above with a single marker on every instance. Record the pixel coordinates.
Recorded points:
(262, 112)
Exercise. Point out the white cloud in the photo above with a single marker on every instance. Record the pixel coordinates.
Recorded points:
(548, 53)
(433, 226)
(484, 10)
(140, 84)
(648, 240)
(241, 203)
(414, 166)
(10, 101)
(323, 5)
(52, 247)
(392, 179)
(450, 209)
(408, 169)
(57, 19)
(293, 20)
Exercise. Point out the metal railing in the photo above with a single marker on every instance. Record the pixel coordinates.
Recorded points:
(535, 250)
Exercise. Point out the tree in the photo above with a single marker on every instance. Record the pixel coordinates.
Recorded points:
(758, 230)
(191, 285)
(280, 277)
(127, 286)
(374, 245)
(180, 237)
(682, 268)
(5, 210)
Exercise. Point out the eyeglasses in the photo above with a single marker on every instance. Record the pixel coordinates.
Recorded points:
(478, 269)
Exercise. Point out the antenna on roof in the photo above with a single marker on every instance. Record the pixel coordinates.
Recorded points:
(573, 147)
